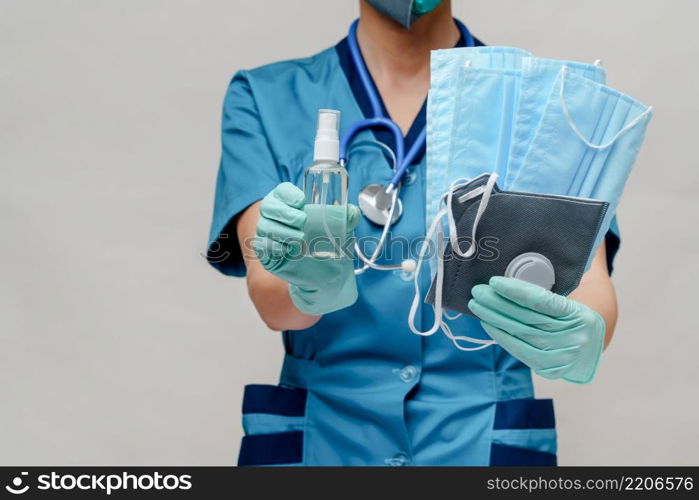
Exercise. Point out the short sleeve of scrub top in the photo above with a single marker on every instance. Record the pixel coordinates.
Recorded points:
(248, 171)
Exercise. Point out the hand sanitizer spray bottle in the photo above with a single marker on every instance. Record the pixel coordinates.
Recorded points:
(325, 185)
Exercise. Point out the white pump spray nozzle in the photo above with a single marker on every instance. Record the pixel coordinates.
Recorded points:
(327, 145)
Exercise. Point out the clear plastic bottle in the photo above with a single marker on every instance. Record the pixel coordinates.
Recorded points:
(326, 185)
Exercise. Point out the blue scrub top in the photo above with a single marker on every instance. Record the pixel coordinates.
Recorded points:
(358, 388)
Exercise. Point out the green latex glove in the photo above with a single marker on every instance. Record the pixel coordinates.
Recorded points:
(555, 336)
(287, 232)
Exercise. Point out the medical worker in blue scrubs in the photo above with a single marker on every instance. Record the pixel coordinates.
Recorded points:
(356, 386)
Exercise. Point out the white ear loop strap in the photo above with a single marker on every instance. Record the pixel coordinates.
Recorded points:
(482, 343)
(574, 127)
(435, 226)
(484, 191)
(439, 312)
(370, 262)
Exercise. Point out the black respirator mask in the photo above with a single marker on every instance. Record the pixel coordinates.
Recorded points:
(543, 239)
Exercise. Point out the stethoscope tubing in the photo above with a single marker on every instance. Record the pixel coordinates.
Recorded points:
(403, 160)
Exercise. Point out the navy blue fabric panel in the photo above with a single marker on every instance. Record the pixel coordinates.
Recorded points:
(362, 99)
(524, 414)
(612, 242)
(271, 449)
(275, 400)
(501, 455)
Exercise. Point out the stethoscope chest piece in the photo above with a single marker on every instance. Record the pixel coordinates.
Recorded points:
(375, 204)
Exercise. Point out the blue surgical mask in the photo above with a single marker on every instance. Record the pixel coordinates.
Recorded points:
(404, 12)
(489, 71)
(538, 78)
(586, 143)
(495, 109)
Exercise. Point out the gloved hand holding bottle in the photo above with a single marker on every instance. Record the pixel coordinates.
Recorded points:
(288, 233)
(557, 337)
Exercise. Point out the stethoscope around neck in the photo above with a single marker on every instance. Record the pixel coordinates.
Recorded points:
(381, 204)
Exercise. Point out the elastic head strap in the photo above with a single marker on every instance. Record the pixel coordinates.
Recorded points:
(485, 191)
(436, 227)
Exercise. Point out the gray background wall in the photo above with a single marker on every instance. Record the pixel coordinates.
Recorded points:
(119, 346)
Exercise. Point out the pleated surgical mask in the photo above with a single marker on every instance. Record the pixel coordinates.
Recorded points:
(449, 91)
(482, 145)
(538, 79)
(484, 106)
(586, 143)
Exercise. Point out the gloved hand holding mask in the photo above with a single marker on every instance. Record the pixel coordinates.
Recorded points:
(287, 234)
(557, 337)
